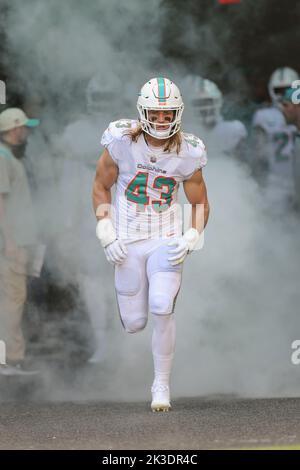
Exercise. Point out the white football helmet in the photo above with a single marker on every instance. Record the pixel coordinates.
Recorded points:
(101, 92)
(206, 99)
(160, 94)
(280, 80)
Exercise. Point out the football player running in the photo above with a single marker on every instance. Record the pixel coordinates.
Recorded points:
(273, 137)
(141, 233)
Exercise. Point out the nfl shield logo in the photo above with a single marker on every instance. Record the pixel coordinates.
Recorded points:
(153, 159)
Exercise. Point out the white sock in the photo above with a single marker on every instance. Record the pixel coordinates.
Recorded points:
(163, 347)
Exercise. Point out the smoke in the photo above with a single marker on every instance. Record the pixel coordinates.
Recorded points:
(59, 46)
(53, 52)
(241, 316)
(237, 310)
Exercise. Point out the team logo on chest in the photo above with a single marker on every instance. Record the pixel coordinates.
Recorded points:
(150, 167)
(153, 158)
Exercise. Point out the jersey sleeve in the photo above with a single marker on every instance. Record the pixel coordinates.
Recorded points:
(268, 119)
(194, 156)
(114, 137)
(4, 177)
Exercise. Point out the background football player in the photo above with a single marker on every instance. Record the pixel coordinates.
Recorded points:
(291, 111)
(273, 137)
(141, 234)
(221, 136)
(78, 147)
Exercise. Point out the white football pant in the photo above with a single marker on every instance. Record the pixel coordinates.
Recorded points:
(146, 281)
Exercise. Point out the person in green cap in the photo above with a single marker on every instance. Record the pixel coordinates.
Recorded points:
(291, 109)
(17, 235)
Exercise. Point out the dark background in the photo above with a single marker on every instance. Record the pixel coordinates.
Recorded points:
(254, 38)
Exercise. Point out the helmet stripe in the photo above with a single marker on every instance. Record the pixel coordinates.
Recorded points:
(281, 74)
(161, 90)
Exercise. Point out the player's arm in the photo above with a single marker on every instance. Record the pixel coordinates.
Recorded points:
(106, 177)
(196, 193)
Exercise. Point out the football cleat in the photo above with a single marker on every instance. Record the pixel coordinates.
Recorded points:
(160, 398)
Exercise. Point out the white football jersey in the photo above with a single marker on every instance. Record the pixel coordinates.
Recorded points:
(280, 141)
(227, 135)
(147, 186)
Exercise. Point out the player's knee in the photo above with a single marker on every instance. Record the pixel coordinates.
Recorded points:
(127, 280)
(160, 304)
(135, 325)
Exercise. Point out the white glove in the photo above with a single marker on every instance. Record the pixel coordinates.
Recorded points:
(114, 248)
(116, 252)
(183, 246)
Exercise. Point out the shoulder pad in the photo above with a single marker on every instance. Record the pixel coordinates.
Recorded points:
(193, 153)
(240, 128)
(114, 134)
(234, 127)
(118, 128)
(194, 146)
(193, 141)
(268, 118)
(116, 131)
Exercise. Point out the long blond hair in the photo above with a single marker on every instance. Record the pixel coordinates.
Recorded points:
(172, 143)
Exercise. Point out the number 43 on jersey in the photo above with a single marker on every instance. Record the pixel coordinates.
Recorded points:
(136, 191)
